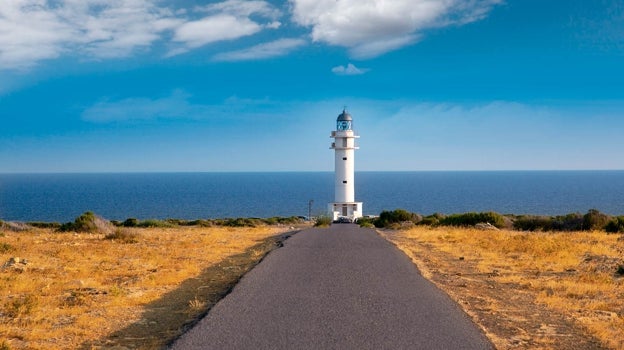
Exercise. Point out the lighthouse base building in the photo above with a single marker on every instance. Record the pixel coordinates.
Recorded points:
(352, 211)
(344, 205)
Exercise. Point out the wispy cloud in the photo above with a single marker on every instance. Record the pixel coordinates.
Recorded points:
(243, 8)
(214, 28)
(35, 30)
(371, 27)
(32, 31)
(177, 105)
(349, 69)
(226, 20)
(275, 48)
(139, 108)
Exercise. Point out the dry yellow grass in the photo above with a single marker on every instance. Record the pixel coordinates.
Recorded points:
(85, 291)
(573, 274)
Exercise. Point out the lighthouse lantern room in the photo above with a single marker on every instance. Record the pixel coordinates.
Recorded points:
(344, 205)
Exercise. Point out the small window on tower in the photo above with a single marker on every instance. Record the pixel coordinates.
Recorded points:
(344, 158)
(344, 182)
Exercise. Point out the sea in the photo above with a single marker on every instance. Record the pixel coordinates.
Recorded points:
(118, 196)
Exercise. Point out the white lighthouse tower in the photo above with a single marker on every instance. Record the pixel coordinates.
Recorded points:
(344, 146)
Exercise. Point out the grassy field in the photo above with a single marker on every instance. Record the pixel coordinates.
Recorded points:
(504, 278)
(137, 289)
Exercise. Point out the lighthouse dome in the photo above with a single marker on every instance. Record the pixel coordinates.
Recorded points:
(344, 116)
(344, 121)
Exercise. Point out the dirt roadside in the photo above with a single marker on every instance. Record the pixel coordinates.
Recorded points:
(508, 313)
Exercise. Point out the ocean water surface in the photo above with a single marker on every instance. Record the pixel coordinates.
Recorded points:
(62, 197)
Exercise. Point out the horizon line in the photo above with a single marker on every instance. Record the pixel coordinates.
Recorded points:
(300, 171)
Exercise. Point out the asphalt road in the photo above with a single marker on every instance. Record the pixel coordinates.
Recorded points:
(337, 288)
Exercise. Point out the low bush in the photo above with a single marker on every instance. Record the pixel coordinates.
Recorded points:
(290, 220)
(88, 223)
(471, 219)
(432, 220)
(569, 222)
(201, 223)
(533, 223)
(153, 223)
(123, 236)
(14, 226)
(178, 222)
(595, 220)
(365, 222)
(388, 219)
(38, 224)
(323, 221)
(130, 222)
(616, 225)
(243, 222)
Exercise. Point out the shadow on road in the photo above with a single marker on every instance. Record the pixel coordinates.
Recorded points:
(167, 318)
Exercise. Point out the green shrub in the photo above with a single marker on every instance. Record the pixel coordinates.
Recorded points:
(569, 222)
(37, 224)
(365, 222)
(533, 223)
(130, 222)
(432, 220)
(243, 222)
(291, 220)
(616, 225)
(471, 219)
(201, 223)
(177, 222)
(323, 221)
(153, 223)
(89, 223)
(595, 220)
(390, 218)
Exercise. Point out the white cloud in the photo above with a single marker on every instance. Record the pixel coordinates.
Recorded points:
(274, 25)
(215, 28)
(275, 48)
(35, 30)
(372, 27)
(349, 69)
(243, 8)
(226, 20)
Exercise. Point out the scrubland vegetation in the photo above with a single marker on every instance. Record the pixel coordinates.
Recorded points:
(96, 284)
(323, 221)
(503, 278)
(591, 221)
(136, 284)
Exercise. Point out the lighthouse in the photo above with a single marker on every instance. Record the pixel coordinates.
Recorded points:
(344, 205)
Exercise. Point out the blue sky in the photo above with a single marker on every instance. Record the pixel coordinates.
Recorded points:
(190, 85)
